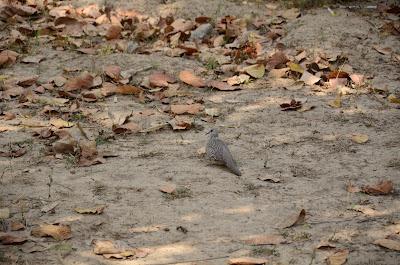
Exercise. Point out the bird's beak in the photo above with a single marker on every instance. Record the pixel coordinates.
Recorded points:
(208, 132)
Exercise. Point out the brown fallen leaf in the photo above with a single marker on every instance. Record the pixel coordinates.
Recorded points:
(60, 123)
(265, 240)
(84, 81)
(338, 258)
(8, 239)
(382, 50)
(381, 188)
(117, 249)
(33, 59)
(188, 77)
(90, 210)
(238, 79)
(129, 127)
(66, 145)
(325, 245)
(247, 261)
(16, 226)
(360, 138)
(297, 219)
(277, 60)
(309, 79)
(358, 79)
(113, 32)
(388, 243)
(128, 90)
(365, 210)
(181, 122)
(113, 71)
(351, 188)
(292, 105)
(8, 57)
(169, 188)
(58, 232)
(190, 109)
(160, 79)
(278, 73)
(27, 81)
(222, 86)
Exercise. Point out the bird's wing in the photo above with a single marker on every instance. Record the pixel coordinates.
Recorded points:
(229, 161)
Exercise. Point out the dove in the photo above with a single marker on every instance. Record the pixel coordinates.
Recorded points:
(217, 150)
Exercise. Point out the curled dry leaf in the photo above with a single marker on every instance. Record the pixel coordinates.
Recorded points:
(181, 122)
(8, 239)
(388, 243)
(190, 109)
(129, 127)
(382, 50)
(309, 79)
(169, 188)
(60, 123)
(238, 79)
(325, 245)
(382, 188)
(265, 240)
(58, 232)
(128, 90)
(338, 258)
(113, 71)
(222, 85)
(27, 81)
(116, 249)
(297, 219)
(90, 210)
(247, 261)
(360, 138)
(84, 81)
(292, 105)
(161, 79)
(256, 70)
(113, 32)
(188, 77)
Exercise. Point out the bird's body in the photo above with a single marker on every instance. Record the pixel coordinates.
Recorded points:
(217, 150)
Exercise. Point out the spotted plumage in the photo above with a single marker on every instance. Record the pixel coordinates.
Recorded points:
(218, 151)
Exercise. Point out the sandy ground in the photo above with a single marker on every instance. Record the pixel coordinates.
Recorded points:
(311, 152)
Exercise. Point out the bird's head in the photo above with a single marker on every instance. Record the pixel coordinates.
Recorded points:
(213, 133)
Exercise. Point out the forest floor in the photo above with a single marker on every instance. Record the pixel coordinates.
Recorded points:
(90, 176)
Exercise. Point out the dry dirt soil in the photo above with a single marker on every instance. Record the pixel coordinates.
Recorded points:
(205, 222)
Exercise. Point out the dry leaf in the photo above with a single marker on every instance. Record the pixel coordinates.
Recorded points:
(181, 122)
(256, 70)
(190, 78)
(365, 210)
(221, 85)
(66, 145)
(360, 138)
(265, 240)
(33, 59)
(8, 239)
(247, 261)
(325, 245)
(113, 32)
(382, 50)
(90, 210)
(60, 123)
(358, 79)
(338, 258)
(169, 188)
(16, 226)
(382, 188)
(27, 81)
(128, 90)
(277, 60)
(161, 79)
(113, 71)
(13, 153)
(278, 73)
(84, 81)
(351, 188)
(388, 243)
(190, 109)
(58, 232)
(296, 68)
(238, 79)
(49, 207)
(297, 219)
(292, 105)
(129, 127)
(309, 79)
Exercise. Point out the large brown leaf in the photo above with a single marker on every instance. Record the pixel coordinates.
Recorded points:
(190, 78)
(84, 81)
(381, 188)
(58, 232)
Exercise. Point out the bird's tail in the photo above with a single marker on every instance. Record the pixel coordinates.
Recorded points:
(231, 163)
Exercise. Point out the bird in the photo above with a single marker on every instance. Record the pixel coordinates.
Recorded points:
(217, 150)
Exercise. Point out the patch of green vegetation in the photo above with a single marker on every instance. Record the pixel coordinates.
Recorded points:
(71, 160)
(77, 117)
(106, 50)
(179, 193)
(211, 63)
